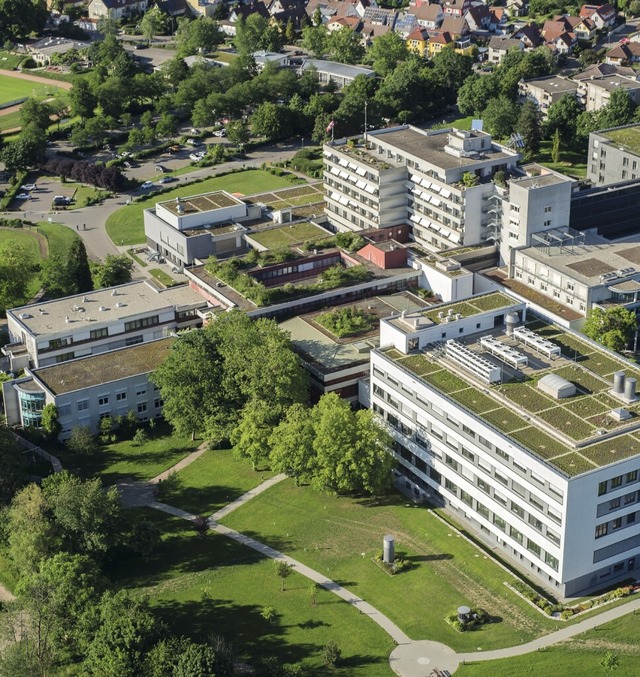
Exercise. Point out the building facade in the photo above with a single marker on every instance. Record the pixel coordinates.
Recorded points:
(556, 506)
(613, 155)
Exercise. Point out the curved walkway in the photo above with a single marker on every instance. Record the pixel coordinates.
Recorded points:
(411, 658)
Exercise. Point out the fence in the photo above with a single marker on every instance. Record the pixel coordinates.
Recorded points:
(29, 446)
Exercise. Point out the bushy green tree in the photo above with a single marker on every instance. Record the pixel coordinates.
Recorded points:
(291, 445)
(613, 328)
(501, 116)
(49, 422)
(115, 270)
(271, 120)
(386, 52)
(198, 35)
(528, 125)
(17, 266)
(344, 45)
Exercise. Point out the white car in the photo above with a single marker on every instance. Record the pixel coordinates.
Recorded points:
(220, 133)
(147, 184)
(29, 186)
(23, 196)
(196, 157)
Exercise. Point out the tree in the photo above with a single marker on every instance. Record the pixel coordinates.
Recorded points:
(268, 613)
(81, 441)
(501, 116)
(609, 662)
(34, 112)
(252, 435)
(290, 32)
(619, 111)
(16, 269)
(291, 444)
(124, 630)
(67, 273)
(54, 600)
(528, 125)
(166, 126)
(115, 270)
(563, 116)
(238, 132)
(331, 655)
(555, 147)
(26, 151)
(19, 18)
(283, 571)
(386, 52)
(87, 517)
(49, 422)
(450, 70)
(197, 36)
(476, 92)
(314, 39)
(351, 448)
(152, 23)
(314, 588)
(344, 45)
(82, 98)
(271, 120)
(613, 328)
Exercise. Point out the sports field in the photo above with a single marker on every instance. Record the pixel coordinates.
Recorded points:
(14, 88)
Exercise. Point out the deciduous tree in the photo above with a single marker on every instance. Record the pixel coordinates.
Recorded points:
(115, 270)
(16, 269)
(344, 45)
(291, 445)
(613, 328)
(386, 52)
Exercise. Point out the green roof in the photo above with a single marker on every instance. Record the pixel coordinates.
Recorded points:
(628, 137)
(473, 306)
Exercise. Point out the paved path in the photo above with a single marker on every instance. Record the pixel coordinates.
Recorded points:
(187, 460)
(234, 505)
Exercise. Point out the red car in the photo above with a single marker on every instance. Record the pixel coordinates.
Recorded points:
(624, 41)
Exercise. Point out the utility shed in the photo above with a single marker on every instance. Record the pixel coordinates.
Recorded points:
(556, 386)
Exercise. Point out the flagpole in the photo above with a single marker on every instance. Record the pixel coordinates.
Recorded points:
(365, 122)
(333, 124)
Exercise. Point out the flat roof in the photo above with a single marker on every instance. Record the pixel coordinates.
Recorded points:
(586, 263)
(335, 68)
(613, 82)
(134, 298)
(318, 347)
(430, 147)
(574, 434)
(537, 176)
(95, 370)
(626, 138)
(553, 84)
(206, 202)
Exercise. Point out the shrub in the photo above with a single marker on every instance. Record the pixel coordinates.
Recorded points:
(81, 440)
(331, 654)
(141, 437)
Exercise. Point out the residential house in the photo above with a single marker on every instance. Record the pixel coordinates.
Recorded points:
(499, 45)
(115, 9)
(418, 40)
(598, 70)
(558, 35)
(498, 18)
(456, 8)
(239, 12)
(595, 93)
(43, 50)
(380, 16)
(603, 16)
(517, 7)
(173, 8)
(428, 15)
(438, 40)
(530, 36)
(337, 23)
(330, 9)
(624, 54)
(262, 58)
(584, 28)
(369, 31)
(405, 23)
(283, 10)
(478, 18)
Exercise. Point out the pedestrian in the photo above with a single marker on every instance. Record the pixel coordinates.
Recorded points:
(77, 227)
(84, 226)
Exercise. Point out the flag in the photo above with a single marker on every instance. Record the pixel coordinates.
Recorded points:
(330, 126)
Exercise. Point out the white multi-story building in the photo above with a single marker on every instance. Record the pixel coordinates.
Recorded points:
(88, 389)
(56, 331)
(484, 422)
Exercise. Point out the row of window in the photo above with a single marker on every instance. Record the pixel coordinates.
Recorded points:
(616, 482)
(615, 524)
(103, 400)
(142, 323)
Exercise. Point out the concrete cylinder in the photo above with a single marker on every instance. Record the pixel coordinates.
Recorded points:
(630, 388)
(618, 382)
(511, 322)
(388, 549)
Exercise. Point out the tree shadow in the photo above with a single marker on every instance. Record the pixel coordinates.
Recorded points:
(414, 559)
(312, 624)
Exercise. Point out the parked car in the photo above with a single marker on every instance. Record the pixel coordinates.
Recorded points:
(23, 196)
(167, 179)
(160, 168)
(196, 157)
(147, 184)
(29, 186)
(193, 142)
(127, 164)
(60, 200)
(141, 45)
(220, 133)
(174, 149)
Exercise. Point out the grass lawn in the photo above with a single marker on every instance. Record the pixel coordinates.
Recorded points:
(210, 482)
(288, 235)
(114, 462)
(214, 585)
(582, 654)
(14, 88)
(10, 121)
(162, 277)
(463, 123)
(9, 61)
(59, 237)
(628, 137)
(338, 537)
(571, 163)
(126, 226)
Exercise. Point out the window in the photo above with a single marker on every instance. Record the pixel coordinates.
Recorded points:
(466, 498)
(467, 454)
(554, 516)
(133, 340)
(515, 508)
(142, 407)
(547, 222)
(121, 396)
(602, 488)
(59, 343)
(630, 498)
(65, 357)
(468, 431)
(553, 537)
(613, 505)
(98, 333)
(483, 485)
(451, 462)
(448, 484)
(141, 390)
(533, 547)
(601, 530)
(616, 482)
(548, 209)
(83, 405)
(103, 400)
(631, 518)
(516, 535)
(64, 410)
(617, 523)
(536, 503)
(482, 510)
(518, 489)
(141, 323)
(632, 476)
(502, 454)
(535, 522)
(500, 498)
(551, 561)
(500, 523)
(519, 467)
